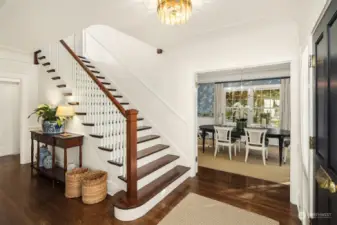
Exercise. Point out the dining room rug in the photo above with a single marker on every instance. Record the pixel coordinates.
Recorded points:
(254, 166)
(198, 210)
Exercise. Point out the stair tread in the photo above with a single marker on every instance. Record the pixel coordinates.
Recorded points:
(112, 89)
(115, 163)
(88, 124)
(67, 94)
(42, 57)
(100, 77)
(95, 71)
(81, 113)
(151, 150)
(73, 103)
(96, 135)
(85, 61)
(90, 66)
(153, 166)
(56, 78)
(106, 83)
(46, 64)
(51, 71)
(81, 57)
(140, 128)
(152, 189)
(147, 138)
(61, 86)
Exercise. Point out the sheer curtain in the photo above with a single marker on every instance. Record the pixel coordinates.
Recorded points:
(219, 103)
(285, 104)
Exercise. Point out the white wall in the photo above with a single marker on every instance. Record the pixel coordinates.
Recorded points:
(171, 76)
(15, 64)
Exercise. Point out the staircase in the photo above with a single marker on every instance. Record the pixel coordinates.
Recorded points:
(144, 168)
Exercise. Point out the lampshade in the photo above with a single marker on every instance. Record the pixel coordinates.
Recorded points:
(65, 111)
(174, 12)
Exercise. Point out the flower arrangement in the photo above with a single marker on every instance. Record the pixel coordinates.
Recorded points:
(47, 113)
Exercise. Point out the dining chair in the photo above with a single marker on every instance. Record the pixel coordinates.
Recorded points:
(286, 149)
(223, 137)
(256, 140)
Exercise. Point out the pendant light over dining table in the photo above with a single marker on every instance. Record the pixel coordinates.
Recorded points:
(174, 12)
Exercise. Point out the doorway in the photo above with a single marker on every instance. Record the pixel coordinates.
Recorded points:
(325, 51)
(10, 117)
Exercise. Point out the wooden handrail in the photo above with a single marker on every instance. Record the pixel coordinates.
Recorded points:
(94, 78)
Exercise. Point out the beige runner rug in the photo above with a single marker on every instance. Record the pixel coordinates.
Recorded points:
(198, 210)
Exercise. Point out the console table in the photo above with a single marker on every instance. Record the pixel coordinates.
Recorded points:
(64, 142)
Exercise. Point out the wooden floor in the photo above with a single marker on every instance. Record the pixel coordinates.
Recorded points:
(32, 200)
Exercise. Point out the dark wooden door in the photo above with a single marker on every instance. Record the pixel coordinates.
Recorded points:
(325, 50)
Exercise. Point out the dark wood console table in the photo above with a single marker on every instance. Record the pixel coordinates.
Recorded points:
(64, 142)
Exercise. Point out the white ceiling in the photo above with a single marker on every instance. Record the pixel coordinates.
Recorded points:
(27, 25)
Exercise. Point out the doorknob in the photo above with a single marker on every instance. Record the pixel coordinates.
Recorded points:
(325, 181)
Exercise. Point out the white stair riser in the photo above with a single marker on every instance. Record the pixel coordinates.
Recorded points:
(144, 132)
(148, 144)
(156, 174)
(153, 157)
(135, 213)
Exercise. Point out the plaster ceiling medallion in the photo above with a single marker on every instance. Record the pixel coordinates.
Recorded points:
(173, 12)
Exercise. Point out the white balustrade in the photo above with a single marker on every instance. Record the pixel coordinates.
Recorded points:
(108, 121)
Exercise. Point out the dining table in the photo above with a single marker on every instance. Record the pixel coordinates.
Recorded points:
(277, 133)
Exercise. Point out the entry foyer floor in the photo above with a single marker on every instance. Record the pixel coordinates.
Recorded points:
(33, 200)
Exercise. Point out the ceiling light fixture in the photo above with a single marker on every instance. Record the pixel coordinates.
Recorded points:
(174, 12)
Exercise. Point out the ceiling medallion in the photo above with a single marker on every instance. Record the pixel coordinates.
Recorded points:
(174, 12)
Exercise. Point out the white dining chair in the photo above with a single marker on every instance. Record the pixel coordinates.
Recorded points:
(223, 137)
(256, 141)
(286, 149)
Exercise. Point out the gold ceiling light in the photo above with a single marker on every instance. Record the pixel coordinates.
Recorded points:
(174, 12)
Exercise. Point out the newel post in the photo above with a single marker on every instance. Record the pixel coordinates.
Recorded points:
(131, 154)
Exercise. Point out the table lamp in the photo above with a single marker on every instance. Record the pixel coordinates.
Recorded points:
(66, 111)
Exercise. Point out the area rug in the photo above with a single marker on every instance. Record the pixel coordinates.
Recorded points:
(198, 210)
(253, 168)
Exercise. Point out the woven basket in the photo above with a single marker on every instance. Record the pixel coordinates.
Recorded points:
(74, 182)
(94, 187)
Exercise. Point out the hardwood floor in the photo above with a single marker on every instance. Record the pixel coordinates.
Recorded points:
(32, 200)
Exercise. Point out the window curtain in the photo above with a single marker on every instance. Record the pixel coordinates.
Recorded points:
(285, 104)
(219, 103)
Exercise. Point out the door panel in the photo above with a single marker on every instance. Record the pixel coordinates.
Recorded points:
(9, 129)
(325, 47)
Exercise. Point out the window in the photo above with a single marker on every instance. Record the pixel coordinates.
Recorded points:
(267, 105)
(261, 99)
(232, 98)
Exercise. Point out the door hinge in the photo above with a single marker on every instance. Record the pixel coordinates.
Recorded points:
(312, 142)
(312, 61)
(196, 158)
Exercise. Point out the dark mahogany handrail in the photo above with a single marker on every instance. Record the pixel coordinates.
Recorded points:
(94, 78)
(131, 131)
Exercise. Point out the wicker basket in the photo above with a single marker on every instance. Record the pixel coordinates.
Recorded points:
(94, 187)
(74, 182)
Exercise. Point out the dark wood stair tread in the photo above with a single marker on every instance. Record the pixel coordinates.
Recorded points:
(125, 103)
(85, 61)
(90, 66)
(38, 51)
(115, 163)
(147, 138)
(152, 189)
(42, 57)
(96, 135)
(67, 94)
(153, 166)
(88, 124)
(106, 83)
(56, 78)
(51, 71)
(73, 103)
(46, 64)
(139, 119)
(118, 96)
(151, 150)
(61, 86)
(100, 77)
(81, 57)
(140, 128)
(81, 113)
(112, 89)
(95, 71)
